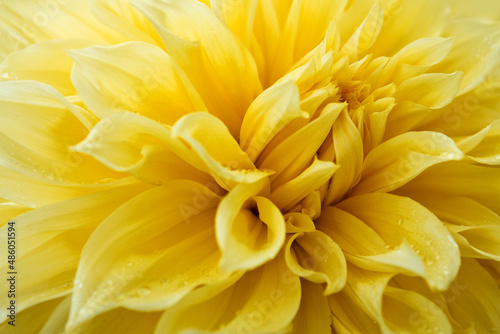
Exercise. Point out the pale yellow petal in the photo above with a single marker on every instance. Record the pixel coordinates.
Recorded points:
(139, 146)
(483, 9)
(475, 51)
(317, 258)
(400, 159)
(238, 15)
(136, 77)
(9, 210)
(250, 228)
(407, 21)
(205, 135)
(483, 146)
(264, 300)
(125, 19)
(209, 53)
(50, 241)
(52, 66)
(149, 258)
(40, 148)
(27, 22)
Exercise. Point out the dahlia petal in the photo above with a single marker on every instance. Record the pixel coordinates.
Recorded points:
(474, 301)
(141, 147)
(28, 22)
(305, 27)
(211, 56)
(400, 159)
(52, 238)
(483, 146)
(53, 65)
(415, 59)
(348, 146)
(298, 222)
(206, 135)
(133, 76)
(149, 259)
(432, 90)
(485, 9)
(408, 311)
(40, 149)
(314, 313)
(317, 258)
(408, 21)
(264, 300)
(31, 319)
(33, 193)
(480, 183)
(119, 320)
(397, 218)
(358, 307)
(238, 15)
(9, 210)
(58, 318)
(477, 241)
(289, 194)
(369, 250)
(367, 33)
(290, 157)
(245, 239)
(471, 34)
(269, 113)
(125, 19)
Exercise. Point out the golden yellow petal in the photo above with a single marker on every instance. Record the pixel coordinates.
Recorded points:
(317, 258)
(400, 159)
(348, 146)
(289, 194)
(238, 15)
(397, 219)
(250, 228)
(30, 320)
(269, 113)
(314, 312)
(290, 157)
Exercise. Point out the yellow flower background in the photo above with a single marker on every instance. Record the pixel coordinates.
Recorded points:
(251, 166)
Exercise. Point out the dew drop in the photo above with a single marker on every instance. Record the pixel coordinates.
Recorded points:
(144, 291)
(129, 264)
(164, 280)
(400, 221)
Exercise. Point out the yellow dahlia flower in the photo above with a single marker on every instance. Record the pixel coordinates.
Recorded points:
(250, 166)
